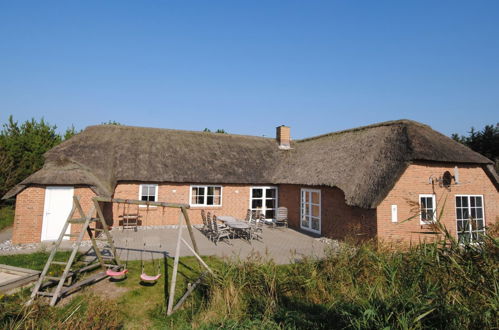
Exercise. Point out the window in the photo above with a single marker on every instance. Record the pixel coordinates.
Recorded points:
(427, 206)
(148, 192)
(311, 210)
(206, 195)
(264, 199)
(470, 218)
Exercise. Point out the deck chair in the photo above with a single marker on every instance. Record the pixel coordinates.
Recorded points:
(256, 227)
(218, 231)
(248, 216)
(281, 217)
(209, 227)
(206, 227)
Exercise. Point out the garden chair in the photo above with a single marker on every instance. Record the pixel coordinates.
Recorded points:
(281, 217)
(219, 232)
(209, 226)
(248, 216)
(206, 226)
(256, 227)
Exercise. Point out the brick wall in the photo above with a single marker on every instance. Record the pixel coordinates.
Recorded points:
(415, 181)
(235, 202)
(28, 218)
(338, 220)
(29, 215)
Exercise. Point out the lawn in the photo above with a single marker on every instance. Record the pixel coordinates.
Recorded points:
(440, 285)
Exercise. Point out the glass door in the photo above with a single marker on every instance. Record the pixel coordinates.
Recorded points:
(311, 210)
(470, 218)
(264, 199)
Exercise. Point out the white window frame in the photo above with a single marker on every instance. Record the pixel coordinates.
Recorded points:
(434, 201)
(205, 195)
(310, 211)
(264, 208)
(155, 196)
(469, 205)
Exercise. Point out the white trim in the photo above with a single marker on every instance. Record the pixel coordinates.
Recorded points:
(43, 233)
(434, 201)
(264, 208)
(307, 190)
(469, 205)
(205, 195)
(155, 195)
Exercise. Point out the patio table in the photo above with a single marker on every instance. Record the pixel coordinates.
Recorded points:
(238, 224)
(241, 227)
(226, 218)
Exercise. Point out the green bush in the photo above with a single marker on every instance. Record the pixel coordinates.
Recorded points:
(6, 216)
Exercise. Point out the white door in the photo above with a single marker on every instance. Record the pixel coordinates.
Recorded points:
(58, 204)
(311, 210)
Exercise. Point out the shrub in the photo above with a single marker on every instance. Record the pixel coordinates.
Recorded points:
(6, 216)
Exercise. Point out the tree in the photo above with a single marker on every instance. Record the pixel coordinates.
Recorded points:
(22, 147)
(485, 142)
(111, 122)
(219, 130)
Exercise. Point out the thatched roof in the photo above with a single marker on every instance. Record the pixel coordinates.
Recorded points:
(364, 162)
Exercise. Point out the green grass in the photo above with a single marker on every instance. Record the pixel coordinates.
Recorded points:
(440, 285)
(34, 261)
(6, 216)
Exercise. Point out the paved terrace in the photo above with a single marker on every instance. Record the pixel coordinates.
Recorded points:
(283, 245)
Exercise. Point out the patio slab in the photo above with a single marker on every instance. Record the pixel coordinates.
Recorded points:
(283, 245)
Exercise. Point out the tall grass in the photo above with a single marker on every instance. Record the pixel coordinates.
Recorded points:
(438, 285)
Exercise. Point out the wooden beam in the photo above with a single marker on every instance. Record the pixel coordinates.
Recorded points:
(187, 293)
(189, 228)
(139, 202)
(169, 311)
(198, 257)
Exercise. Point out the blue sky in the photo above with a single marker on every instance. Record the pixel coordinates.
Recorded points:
(248, 66)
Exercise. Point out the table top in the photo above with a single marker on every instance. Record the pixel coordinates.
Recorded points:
(238, 225)
(226, 218)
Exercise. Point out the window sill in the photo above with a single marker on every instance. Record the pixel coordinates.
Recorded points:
(204, 206)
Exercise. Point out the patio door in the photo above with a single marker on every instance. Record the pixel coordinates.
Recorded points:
(470, 218)
(265, 200)
(58, 204)
(311, 210)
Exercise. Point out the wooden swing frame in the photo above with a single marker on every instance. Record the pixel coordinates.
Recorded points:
(183, 216)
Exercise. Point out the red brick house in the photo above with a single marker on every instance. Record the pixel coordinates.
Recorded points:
(361, 182)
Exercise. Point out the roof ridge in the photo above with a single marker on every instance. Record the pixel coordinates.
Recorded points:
(361, 128)
(176, 130)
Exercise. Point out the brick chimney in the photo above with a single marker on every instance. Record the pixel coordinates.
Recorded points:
(283, 137)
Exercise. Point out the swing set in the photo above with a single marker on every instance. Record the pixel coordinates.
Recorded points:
(132, 221)
(106, 257)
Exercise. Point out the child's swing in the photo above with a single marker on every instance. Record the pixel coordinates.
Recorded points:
(143, 276)
(120, 274)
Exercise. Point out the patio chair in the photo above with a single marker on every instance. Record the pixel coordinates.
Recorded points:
(206, 226)
(281, 217)
(218, 231)
(256, 227)
(248, 215)
(209, 227)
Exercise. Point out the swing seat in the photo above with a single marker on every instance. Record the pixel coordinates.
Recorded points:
(148, 278)
(117, 275)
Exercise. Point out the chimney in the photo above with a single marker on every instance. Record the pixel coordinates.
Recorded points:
(283, 137)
